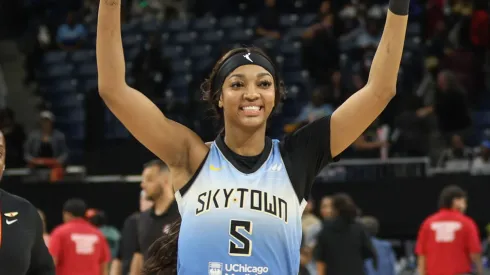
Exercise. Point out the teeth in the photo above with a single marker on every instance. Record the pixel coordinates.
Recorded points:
(252, 108)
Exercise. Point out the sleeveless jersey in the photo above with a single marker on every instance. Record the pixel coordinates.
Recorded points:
(240, 224)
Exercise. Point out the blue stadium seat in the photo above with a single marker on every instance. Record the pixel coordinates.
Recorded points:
(179, 25)
(288, 20)
(131, 53)
(295, 78)
(200, 51)
(212, 37)
(292, 64)
(150, 26)
(205, 23)
(240, 35)
(55, 57)
(231, 22)
(180, 82)
(203, 64)
(173, 52)
(252, 22)
(307, 20)
(90, 84)
(289, 49)
(59, 71)
(181, 66)
(66, 84)
(82, 56)
(413, 29)
(130, 27)
(185, 37)
(58, 96)
(87, 70)
(132, 40)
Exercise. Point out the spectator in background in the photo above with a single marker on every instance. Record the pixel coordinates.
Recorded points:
(384, 250)
(481, 164)
(315, 109)
(450, 106)
(320, 50)
(45, 229)
(77, 247)
(368, 144)
(46, 147)
(268, 24)
(71, 34)
(312, 225)
(129, 239)
(99, 219)
(448, 241)
(343, 245)
(326, 211)
(457, 157)
(151, 70)
(14, 137)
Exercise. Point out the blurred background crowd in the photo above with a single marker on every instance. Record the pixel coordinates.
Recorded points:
(56, 126)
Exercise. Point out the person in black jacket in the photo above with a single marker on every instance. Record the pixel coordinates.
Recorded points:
(22, 248)
(343, 244)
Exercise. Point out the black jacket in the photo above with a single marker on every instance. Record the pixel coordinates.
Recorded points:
(22, 248)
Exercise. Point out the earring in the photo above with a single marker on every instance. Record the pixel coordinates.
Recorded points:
(220, 104)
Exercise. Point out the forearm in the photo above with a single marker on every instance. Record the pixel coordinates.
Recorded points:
(110, 55)
(476, 258)
(421, 265)
(386, 62)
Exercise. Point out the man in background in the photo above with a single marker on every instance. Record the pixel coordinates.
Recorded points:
(448, 241)
(326, 211)
(77, 247)
(153, 222)
(384, 250)
(129, 239)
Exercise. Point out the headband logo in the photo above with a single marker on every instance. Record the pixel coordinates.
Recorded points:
(247, 56)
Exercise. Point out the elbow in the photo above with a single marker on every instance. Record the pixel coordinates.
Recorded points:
(106, 90)
(382, 89)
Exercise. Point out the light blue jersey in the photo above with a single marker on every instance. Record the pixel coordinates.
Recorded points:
(235, 223)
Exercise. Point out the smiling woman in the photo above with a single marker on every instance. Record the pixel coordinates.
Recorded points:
(244, 192)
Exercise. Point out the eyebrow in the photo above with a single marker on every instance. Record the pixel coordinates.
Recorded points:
(243, 76)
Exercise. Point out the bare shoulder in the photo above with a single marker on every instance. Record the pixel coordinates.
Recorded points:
(198, 150)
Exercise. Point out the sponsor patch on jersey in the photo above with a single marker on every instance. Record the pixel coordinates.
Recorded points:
(216, 268)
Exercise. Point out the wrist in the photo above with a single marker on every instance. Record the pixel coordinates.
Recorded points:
(399, 7)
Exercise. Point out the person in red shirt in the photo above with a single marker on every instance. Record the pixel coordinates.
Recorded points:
(77, 247)
(448, 241)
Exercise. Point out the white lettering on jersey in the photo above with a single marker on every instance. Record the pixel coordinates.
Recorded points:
(446, 230)
(84, 243)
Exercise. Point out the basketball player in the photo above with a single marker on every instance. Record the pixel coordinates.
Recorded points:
(22, 248)
(241, 199)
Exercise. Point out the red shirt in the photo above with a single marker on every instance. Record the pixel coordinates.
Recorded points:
(79, 248)
(446, 239)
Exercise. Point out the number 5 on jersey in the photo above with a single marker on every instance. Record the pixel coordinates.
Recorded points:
(244, 247)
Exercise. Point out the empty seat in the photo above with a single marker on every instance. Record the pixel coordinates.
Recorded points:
(205, 23)
(54, 57)
(87, 70)
(252, 22)
(90, 84)
(295, 33)
(180, 82)
(240, 35)
(83, 56)
(288, 20)
(413, 29)
(231, 22)
(179, 25)
(132, 40)
(172, 51)
(200, 51)
(131, 53)
(150, 26)
(212, 37)
(59, 71)
(288, 49)
(185, 37)
(130, 27)
(203, 65)
(181, 66)
(292, 64)
(65, 84)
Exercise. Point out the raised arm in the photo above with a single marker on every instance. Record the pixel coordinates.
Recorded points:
(167, 139)
(350, 120)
